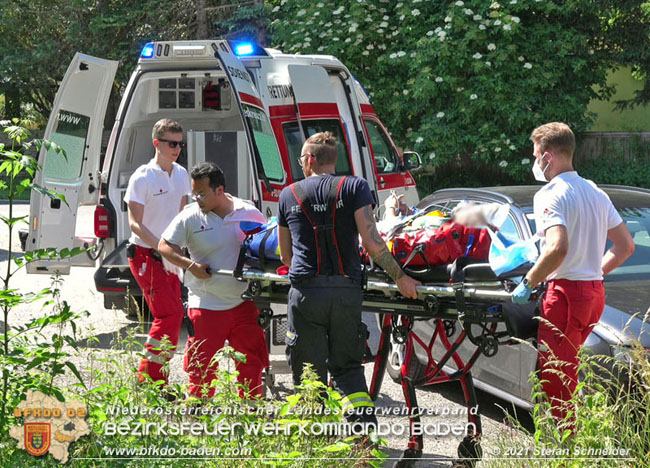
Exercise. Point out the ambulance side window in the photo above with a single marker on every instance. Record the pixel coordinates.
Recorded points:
(294, 144)
(386, 157)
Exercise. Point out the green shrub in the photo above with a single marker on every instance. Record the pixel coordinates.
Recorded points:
(461, 82)
(610, 411)
(621, 162)
(112, 383)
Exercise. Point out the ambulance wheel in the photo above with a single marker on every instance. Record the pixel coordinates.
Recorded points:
(416, 370)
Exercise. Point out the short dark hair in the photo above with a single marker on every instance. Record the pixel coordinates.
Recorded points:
(322, 146)
(210, 171)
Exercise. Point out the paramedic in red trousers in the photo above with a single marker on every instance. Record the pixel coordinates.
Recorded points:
(210, 229)
(156, 193)
(575, 218)
(320, 219)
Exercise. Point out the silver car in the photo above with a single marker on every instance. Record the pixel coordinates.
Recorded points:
(507, 374)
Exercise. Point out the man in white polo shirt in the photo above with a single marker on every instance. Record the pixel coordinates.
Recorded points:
(575, 218)
(156, 193)
(210, 229)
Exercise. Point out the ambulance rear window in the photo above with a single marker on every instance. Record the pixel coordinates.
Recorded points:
(294, 144)
(70, 133)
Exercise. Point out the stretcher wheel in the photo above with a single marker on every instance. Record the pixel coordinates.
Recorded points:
(469, 451)
(450, 327)
(432, 304)
(408, 458)
(489, 346)
(254, 289)
(264, 318)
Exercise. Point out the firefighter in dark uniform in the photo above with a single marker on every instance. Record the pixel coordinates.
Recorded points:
(320, 219)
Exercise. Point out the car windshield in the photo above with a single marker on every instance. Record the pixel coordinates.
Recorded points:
(637, 267)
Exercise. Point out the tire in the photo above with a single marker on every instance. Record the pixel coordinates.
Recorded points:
(416, 369)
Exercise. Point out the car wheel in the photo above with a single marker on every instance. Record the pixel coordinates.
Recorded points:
(416, 369)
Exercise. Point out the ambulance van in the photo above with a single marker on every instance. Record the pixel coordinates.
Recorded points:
(247, 108)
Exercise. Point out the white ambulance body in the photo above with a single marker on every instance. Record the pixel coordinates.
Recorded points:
(246, 108)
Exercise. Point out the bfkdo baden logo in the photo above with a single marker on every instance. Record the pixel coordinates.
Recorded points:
(49, 425)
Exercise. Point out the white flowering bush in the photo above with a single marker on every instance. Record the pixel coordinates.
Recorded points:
(461, 82)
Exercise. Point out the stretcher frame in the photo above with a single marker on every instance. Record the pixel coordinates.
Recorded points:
(469, 303)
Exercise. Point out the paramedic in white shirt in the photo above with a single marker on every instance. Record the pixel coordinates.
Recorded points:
(210, 229)
(575, 218)
(156, 193)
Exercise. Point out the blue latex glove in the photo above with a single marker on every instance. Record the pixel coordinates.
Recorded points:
(521, 294)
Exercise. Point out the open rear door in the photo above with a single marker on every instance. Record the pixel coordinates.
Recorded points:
(317, 110)
(313, 92)
(267, 163)
(76, 125)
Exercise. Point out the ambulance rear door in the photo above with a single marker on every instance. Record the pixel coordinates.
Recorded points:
(75, 124)
(317, 111)
(263, 148)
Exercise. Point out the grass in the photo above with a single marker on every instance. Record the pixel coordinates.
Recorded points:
(111, 383)
(610, 411)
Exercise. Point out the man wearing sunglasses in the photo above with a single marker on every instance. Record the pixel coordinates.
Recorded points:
(155, 194)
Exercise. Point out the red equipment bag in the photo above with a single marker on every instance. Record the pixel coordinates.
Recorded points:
(440, 246)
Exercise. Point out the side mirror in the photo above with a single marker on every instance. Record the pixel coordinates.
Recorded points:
(412, 161)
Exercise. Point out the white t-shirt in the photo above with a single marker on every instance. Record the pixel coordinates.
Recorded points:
(215, 241)
(160, 193)
(587, 212)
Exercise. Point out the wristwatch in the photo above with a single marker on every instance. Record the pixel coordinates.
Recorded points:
(526, 283)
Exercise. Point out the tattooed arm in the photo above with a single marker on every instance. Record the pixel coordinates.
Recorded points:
(376, 246)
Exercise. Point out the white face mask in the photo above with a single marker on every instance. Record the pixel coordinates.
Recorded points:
(538, 172)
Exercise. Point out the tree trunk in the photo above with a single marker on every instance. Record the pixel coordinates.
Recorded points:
(261, 32)
(201, 20)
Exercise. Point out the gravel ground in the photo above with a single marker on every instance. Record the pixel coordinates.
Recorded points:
(106, 325)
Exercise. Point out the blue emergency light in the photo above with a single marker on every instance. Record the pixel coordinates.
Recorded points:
(243, 49)
(147, 51)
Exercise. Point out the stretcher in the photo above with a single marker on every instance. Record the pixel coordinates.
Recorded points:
(465, 293)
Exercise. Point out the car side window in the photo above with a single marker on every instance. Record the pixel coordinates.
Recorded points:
(509, 228)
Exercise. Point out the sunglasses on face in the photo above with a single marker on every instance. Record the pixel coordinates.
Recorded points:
(302, 156)
(173, 144)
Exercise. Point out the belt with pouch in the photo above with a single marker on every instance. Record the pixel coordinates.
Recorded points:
(130, 252)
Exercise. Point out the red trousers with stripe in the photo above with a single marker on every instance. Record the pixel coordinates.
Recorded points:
(211, 329)
(572, 308)
(162, 292)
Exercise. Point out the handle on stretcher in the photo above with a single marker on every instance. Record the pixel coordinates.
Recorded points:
(383, 286)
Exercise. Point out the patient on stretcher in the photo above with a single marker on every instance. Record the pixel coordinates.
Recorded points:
(425, 242)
